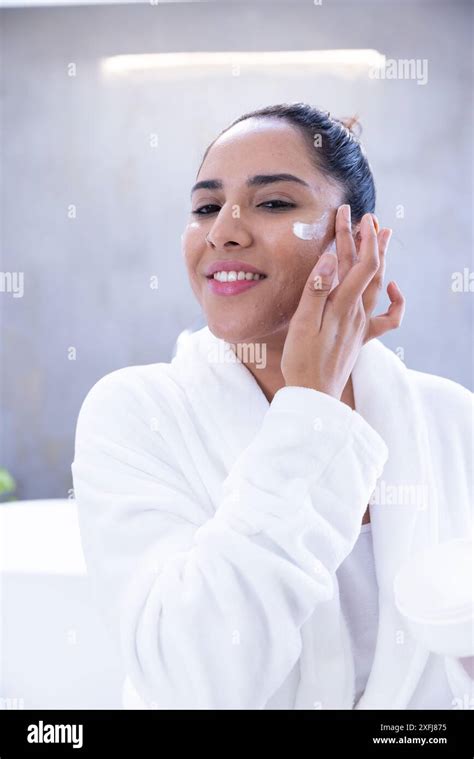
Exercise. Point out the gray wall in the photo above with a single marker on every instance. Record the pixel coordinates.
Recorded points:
(85, 141)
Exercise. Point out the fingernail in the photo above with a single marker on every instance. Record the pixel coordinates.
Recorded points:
(387, 235)
(376, 223)
(346, 212)
(368, 222)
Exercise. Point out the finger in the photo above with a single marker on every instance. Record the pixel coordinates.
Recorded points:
(317, 288)
(392, 318)
(364, 269)
(376, 223)
(374, 288)
(345, 246)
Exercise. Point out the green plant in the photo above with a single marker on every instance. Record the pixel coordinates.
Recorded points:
(7, 485)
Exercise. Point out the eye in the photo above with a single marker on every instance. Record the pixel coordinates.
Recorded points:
(280, 204)
(201, 212)
(271, 205)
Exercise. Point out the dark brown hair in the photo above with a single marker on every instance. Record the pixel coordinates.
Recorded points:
(339, 154)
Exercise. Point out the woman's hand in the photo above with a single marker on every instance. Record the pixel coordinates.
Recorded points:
(331, 324)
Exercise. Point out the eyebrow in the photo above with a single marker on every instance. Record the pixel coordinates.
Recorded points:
(258, 180)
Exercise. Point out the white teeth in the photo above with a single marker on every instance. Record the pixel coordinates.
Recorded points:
(232, 276)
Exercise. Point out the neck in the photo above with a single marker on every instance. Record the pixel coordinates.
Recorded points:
(267, 373)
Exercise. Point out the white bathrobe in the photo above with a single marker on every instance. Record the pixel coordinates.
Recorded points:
(213, 524)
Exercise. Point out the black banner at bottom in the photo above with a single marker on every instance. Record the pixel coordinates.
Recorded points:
(29, 733)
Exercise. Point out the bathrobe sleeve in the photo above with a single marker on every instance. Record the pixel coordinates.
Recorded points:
(206, 605)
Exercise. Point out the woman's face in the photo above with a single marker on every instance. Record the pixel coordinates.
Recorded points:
(238, 218)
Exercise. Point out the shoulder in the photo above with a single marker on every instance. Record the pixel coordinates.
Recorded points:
(126, 403)
(156, 384)
(445, 402)
(126, 397)
(448, 409)
(128, 384)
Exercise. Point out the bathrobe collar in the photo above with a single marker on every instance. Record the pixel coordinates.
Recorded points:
(226, 391)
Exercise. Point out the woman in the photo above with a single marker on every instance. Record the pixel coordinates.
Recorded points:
(226, 499)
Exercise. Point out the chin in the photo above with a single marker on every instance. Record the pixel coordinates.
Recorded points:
(227, 333)
(231, 333)
(254, 332)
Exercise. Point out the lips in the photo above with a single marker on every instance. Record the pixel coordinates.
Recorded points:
(231, 265)
(234, 287)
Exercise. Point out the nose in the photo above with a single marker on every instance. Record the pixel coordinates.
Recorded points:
(228, 230)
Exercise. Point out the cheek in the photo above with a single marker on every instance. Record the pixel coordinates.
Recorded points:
(191, 246)
(293, 259)
(192, 251)
(292, 262)
(301, 240)
(296, 253)
(289, 275)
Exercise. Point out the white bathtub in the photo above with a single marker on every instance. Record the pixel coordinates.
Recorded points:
(55, 652)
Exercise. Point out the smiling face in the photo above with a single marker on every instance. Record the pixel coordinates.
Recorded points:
(243, 215)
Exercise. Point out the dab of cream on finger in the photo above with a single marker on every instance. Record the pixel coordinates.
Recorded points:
(310, 231)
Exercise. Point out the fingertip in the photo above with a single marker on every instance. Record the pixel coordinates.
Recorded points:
(384, 236)
(396, 296)
(397, 288)
(367, 224)
(344, 213)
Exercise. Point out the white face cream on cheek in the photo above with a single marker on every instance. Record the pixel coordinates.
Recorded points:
(191, 226)
(310, 231)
